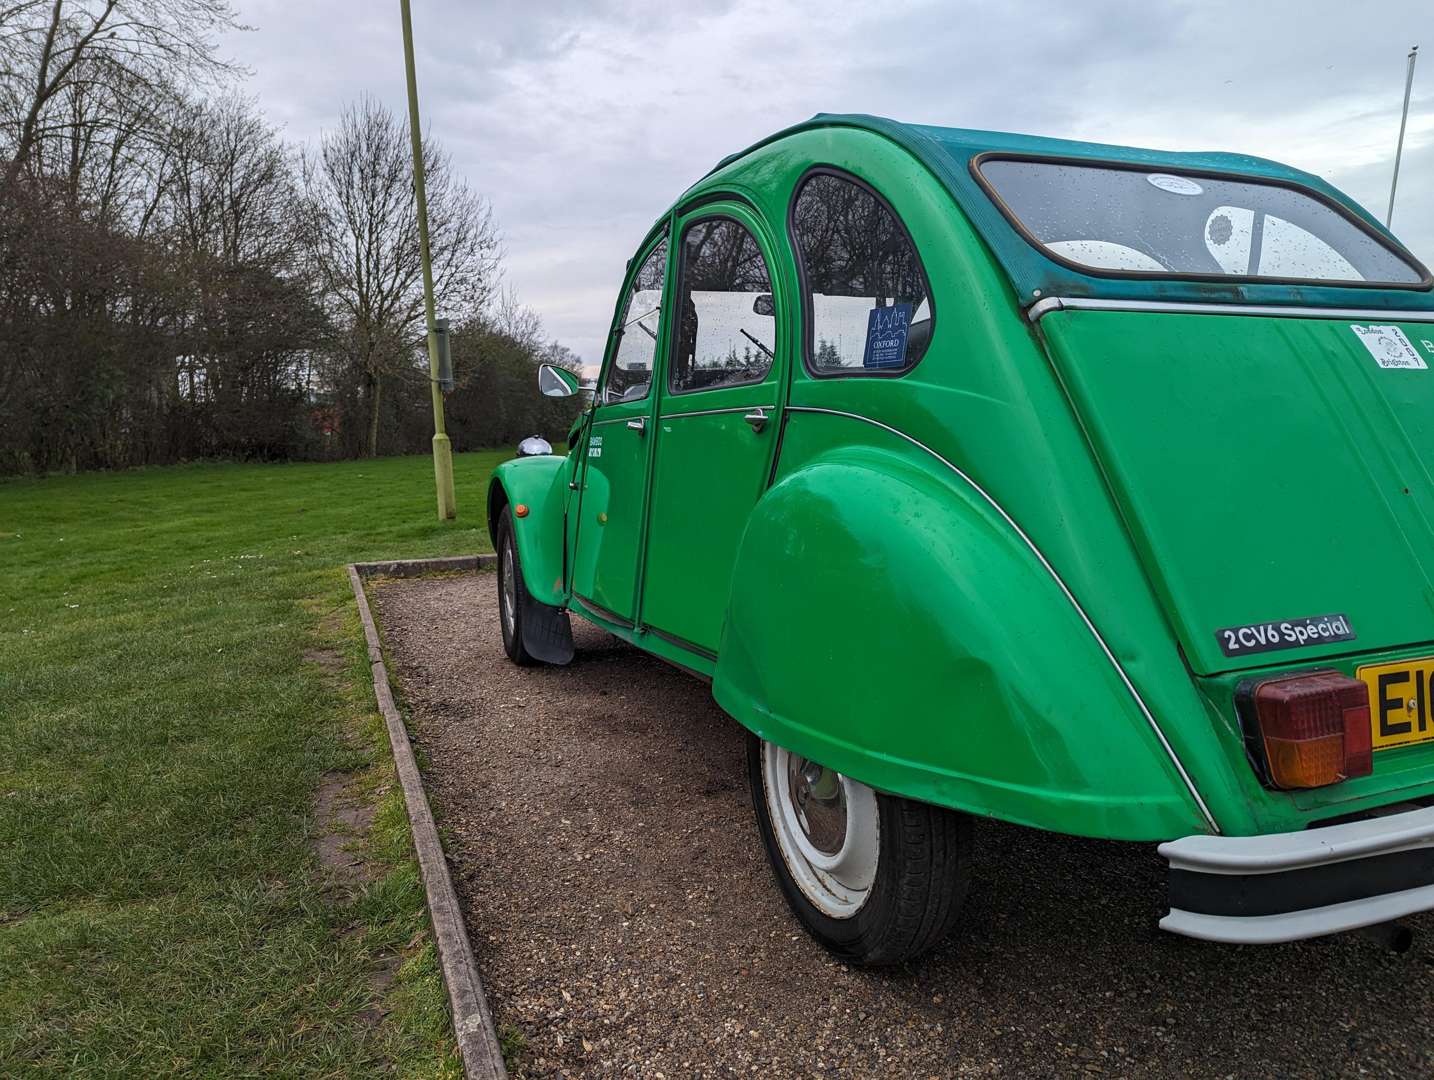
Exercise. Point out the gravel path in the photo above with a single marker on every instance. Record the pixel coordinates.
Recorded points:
(598, 821)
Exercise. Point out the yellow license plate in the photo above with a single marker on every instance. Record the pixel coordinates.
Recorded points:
(1401, 701)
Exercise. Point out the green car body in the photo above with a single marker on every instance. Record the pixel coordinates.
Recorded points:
(994, 581)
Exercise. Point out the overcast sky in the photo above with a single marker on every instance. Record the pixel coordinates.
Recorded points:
(582, 121)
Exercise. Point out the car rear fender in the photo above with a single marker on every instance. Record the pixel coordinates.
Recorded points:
(540, 484)
(891, 624)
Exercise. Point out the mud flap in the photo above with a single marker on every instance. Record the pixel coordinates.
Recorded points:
(547, 632)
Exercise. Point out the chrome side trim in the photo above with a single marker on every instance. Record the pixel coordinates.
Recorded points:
(1060, 583)
(712, 412)
(1077, 303)
(681, 643)
(602, 612)
(680, 415)
(614, 420)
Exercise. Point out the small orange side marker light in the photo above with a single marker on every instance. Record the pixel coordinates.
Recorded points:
(521, 510)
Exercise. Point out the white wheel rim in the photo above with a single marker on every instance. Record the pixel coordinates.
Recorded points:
(508, 589)
(827, 828)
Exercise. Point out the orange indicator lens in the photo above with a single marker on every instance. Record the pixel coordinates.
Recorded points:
(1314, 728)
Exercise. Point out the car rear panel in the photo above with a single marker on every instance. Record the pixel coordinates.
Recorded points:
(1400, 773)
(1275, 478)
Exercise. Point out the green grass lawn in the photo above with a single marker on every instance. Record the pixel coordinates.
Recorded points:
(164, 723)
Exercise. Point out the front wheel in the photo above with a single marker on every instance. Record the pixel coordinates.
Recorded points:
(512, 593)
(875, 878)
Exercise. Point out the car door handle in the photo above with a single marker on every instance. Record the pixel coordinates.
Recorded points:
(758, 419)
(639, 425)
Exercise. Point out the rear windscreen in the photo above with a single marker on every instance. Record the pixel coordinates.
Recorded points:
(1124, 221)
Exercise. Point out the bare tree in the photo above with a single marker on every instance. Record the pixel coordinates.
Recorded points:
(126, 46)
(230, 216)
(152, 302)
(362, 236)
(176, 282)
(68, 265)
(511, 318)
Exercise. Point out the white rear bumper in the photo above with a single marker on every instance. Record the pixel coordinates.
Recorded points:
(1288, 886)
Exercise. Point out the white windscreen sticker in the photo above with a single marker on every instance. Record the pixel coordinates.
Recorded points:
(1389, 347)
(1176, 185)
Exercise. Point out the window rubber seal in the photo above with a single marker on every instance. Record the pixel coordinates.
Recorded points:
(674, 339)
(1398, 250)
(806, 293)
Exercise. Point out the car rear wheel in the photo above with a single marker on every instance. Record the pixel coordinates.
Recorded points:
(875, 878)
(512, 594)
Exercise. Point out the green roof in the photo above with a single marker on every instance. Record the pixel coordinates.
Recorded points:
(948, 153)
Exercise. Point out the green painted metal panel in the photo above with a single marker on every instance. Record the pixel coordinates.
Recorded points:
(607, 518)
(711, 465)
(985, 397)
(541, 484)
(647, 640)
(610, 511)
(885, 618)
(886, 621)
(1403, 773)
(709, 472)
(1268, 468)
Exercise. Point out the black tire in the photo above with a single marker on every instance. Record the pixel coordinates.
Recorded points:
(511, 602)
(923, 874)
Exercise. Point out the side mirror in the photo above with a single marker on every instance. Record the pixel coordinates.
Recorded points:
(557, 382)
(763, 304)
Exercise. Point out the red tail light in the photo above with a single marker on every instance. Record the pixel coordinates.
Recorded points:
(1309, 729)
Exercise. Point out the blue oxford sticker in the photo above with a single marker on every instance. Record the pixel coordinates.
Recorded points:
(886, 332)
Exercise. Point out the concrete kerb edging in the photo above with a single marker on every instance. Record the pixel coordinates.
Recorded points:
(472, 1020)
(419, 567)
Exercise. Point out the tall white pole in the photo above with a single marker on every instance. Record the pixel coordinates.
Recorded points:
(1403, 121)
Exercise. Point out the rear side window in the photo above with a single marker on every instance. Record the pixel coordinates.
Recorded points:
(727, 326)
(868, 305)
(1122, 221)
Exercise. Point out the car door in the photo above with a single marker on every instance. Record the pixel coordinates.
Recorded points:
(616, 453)
(717, 421)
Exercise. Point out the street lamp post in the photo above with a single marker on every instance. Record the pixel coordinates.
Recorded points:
(442, 447)
(1403, 120)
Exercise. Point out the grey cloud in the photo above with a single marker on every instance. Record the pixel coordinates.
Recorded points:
(582, 121)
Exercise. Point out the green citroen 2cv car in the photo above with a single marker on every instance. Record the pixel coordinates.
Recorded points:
(1085, 487)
